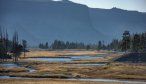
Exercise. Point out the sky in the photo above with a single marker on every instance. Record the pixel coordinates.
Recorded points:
(138, 5)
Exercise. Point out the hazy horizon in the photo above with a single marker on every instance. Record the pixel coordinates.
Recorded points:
(134, 5)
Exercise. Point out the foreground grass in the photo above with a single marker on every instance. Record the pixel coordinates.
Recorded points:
(63, 70)
(48, 81)
(119, 71)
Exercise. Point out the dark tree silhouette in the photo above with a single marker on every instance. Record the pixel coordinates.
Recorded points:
(57, 44)
(126, 41)
(88, 47)
(4, 45)
(24, 43)
(136, 43)
(142, 42)
(99, 45)
(16, 47)
(8, 47)
(46, 45)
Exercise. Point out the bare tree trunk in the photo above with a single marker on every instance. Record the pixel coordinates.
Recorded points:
(24, 53)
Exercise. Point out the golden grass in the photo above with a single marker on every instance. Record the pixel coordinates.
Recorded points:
(57, 53)
(90, 60)
(121, 71)
(112, 70)
(12, 69)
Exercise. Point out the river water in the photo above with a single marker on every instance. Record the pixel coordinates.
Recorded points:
(69, 58)
(30, 70)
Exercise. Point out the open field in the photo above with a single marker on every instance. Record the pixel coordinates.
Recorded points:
(71, 69)
(35, 53)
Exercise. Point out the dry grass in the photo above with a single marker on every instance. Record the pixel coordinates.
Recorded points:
(12, 69)
(89, 60)
(107, 58)
(120, 71)
(65, 69)
(57, 53)
(48, 81)
(112, 70)
(61, 70)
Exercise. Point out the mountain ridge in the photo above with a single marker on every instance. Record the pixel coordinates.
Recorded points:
(40, 22)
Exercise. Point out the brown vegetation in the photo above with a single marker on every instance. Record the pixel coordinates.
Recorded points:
(52, 69)
(48, 81)
(59, 52)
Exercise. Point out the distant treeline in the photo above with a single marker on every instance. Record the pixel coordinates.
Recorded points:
(57, 44)
(129, 42)
(9, 49)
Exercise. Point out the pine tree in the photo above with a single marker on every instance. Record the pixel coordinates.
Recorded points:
(126, 41)
(46, 45)
(114, 45)
(142, 42)
(88, 47)
(145, 42)
(136, 43)
(99, 45)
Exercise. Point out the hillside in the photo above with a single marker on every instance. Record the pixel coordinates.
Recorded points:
(133, 58)
(38, 21)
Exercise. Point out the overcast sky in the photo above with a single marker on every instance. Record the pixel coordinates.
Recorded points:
(139, 5)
